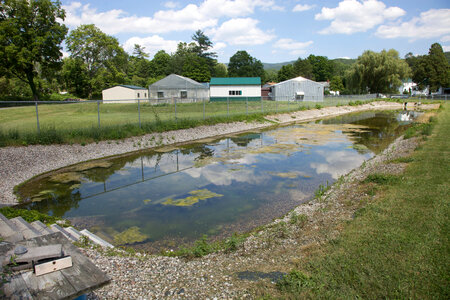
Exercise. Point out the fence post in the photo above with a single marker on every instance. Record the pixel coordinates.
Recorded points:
(175, 102)
(262, 108)
(228, 107)
(203, 108)
(37, 118)
(246, 106)
(139, 112)
(98, 113)
(289, 106)
(276, 106)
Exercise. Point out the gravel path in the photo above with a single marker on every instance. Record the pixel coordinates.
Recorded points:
(18, 164)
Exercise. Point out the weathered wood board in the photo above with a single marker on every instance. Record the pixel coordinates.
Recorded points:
(67, 283)
(52, 266)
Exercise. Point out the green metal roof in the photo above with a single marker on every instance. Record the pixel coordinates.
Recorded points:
(235, 81)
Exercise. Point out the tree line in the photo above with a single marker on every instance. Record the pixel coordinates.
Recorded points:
(31, 63)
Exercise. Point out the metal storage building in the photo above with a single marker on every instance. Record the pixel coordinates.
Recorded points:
(235, 88)
(175, 86)
(298, 88)
(124, 94)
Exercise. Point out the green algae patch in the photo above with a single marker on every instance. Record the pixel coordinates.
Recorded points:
(360, 148)
(291, 175)
(197, 195)
(146, 201)
(91, 165)
(68, 177)
(130, 236)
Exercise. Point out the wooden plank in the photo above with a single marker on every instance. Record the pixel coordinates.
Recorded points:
(49, 286)
(84, 276)
(97, 240)
(56, 227)
(41, 227)
(52, 266)
(27, 230)
(16, 288)
(9, 231)
(39, 253)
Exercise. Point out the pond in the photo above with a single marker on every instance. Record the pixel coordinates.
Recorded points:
(174, 195)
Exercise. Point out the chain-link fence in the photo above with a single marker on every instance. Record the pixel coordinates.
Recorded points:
(68, 115)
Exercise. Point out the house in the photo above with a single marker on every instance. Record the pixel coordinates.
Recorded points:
(408, 86)
(124, 93)
(235, 88)
(178, 87)
(266, 90)
(298, 88)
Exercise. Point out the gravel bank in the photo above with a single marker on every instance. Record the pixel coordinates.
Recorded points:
(275, 249)
(18, 164)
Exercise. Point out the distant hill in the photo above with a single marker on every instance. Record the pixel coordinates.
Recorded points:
(277, 66)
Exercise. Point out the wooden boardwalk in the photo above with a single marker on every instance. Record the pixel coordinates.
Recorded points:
(68, 283)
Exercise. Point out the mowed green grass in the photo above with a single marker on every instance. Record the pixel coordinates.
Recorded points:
(78, 122)
(396, 247)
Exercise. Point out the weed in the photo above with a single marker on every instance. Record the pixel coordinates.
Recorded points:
(318, 106)
(382, 179)
(29, 215)
(321, 190)
(299, 220)
(295, 282)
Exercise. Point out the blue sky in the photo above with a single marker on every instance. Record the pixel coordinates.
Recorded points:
(271, 30)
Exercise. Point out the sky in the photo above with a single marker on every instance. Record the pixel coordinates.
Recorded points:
(271, 30)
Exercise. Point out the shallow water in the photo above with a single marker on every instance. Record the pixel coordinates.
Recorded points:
(164, 198)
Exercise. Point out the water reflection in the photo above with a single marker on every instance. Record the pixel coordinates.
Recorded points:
(226, 185)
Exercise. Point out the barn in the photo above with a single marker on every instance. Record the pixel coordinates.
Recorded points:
(182, 88)
(298, 88)
(124, 93)
(235, 88)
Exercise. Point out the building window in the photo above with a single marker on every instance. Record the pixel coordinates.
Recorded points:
(160, 95)
(145, 95)
(139, 95)
(235, 93)
(183, 94)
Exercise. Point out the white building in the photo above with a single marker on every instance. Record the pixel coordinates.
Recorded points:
(175, 86)
(298, 88)
(124, 93)
(235, 88)
(407, 86)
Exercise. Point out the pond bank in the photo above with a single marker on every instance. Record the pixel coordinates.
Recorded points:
(18, 164)
(270, 252)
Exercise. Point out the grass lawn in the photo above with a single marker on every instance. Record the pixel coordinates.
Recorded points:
(397, 247)
(78, 122)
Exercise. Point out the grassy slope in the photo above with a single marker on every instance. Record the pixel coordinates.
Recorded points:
(397, 247)
(76, 123)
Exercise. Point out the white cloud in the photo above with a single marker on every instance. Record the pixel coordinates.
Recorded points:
(218, 46)
(241, 31)
(302, 7)
(172, 4)
(445, 39)
(337, 163)
(191, 17)
(430, 24)
(294, 48)
(152, 44)
(446, 48)
(354, 16)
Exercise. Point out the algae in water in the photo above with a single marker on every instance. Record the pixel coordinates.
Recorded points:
(197, 195)
(130, 236)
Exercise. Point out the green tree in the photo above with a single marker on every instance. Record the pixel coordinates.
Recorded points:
(220, 70)
(322, 67)
(336, 84)
(159, 65)
(140, 68)
(378, 72)
(286, 72)
(30, 39)
(271, 75)
(438, 68)
(243, 65)
(99, 52)
(202, 45)
(75, 77)
(302, 67)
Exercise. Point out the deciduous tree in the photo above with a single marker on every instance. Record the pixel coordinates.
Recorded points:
(31, 34)
(243, 64)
